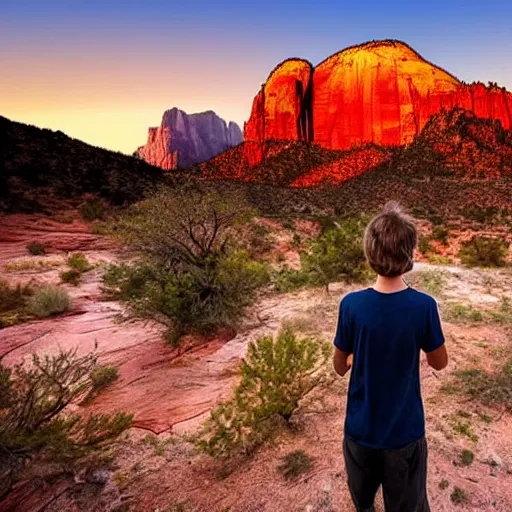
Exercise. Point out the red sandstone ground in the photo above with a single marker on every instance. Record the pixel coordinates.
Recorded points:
(164, 388)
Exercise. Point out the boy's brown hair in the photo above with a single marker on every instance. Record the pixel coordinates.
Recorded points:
(389, 241)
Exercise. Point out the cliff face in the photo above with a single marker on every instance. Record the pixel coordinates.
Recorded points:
(183, 140)
(282, 108)
(380, 92)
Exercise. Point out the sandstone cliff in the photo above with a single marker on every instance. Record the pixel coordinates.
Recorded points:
(382, 93)
(183, 140)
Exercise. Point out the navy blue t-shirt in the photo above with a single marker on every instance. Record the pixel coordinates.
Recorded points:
(385, 332)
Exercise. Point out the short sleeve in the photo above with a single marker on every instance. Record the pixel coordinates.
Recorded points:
(343, 339)
(434, 337)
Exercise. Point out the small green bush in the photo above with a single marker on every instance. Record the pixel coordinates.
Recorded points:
(78, 261)
(288, 280)
(71, 276)
(458, 496)
(441, 234)
(466, 458)
(36, 248)
(33, 398)
(483, 215)
(295, 464)
(457, 312)
(337, 254)
(93, 209)
(424, 245)
(276, 375)
(444, 484)
(484, 251)
(201, 301)
(103, 376)
(47, 301)
(12, 303)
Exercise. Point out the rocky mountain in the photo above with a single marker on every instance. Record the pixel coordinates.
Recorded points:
(381, 93)
(184, 139)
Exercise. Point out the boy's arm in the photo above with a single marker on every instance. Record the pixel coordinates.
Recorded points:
(433, 344)
(438, 359)
(343, 348)
(342, 361)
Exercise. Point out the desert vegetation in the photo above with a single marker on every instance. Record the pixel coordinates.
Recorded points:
(36, 424)
(21, 303)
(192, 274)
(276, 375)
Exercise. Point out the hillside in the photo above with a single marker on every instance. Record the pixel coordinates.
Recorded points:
(40, 165)
(455, 144)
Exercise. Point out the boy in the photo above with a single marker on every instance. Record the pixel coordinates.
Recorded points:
(383, 329)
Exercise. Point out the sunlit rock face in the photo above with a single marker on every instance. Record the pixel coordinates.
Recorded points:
(282, 108)
(183, 140)
(382, 93)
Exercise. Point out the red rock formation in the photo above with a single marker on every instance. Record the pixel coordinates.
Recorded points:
(380, 92)
(280, 110)
(183, 140)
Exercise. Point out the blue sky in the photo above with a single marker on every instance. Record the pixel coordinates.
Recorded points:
(98, 67)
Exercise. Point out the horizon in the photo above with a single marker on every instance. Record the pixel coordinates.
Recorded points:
(105, 74)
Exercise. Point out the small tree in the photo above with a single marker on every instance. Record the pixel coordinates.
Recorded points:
(185, 229)
(275, 376)
(193, 273)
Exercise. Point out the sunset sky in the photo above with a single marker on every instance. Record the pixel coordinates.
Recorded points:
(105, 71)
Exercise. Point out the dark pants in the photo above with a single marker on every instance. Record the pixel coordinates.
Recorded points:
(402, 474)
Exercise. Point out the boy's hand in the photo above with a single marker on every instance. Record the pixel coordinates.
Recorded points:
(342, 361)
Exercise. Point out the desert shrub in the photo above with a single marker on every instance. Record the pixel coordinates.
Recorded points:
(488, 388)
(71, 276)
(444, 484)
(482, 215)
(484, 251)
(295, 464)
(33, 399)
(288, 279)
(200, 301)
(276, 375)
(103, 376)
(36, 248)
(12, 303)
(93, 209)
(337, 254)
(458, 496)
(466, 458)
(78, 261)
(194, 276)
(440, 234)
(47, 301)
(424, 245)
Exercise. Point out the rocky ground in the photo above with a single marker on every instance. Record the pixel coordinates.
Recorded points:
(170, 391)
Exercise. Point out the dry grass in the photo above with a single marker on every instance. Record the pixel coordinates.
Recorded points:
(32, 264)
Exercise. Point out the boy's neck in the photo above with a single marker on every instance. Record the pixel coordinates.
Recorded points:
(389, 284)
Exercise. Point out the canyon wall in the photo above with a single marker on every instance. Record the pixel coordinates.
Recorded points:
(381, 92)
